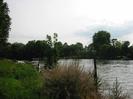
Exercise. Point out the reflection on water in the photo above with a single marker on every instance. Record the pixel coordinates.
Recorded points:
(109, 70)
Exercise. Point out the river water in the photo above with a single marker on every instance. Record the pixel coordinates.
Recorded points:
(109, 70)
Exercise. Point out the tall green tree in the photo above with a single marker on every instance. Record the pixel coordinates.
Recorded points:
(5, 22)
(101, 39)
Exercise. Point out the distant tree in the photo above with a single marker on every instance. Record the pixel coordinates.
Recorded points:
(37, 49)
(131, 52)
(100, 40)
(85, 53)
(41, 48)
(59, 47)
(49, 40)
(115, 50)
(104, 51)
(65, 50)
(78, 49)
(55, 49)
(90, 50)
(114, 41)
(5, 22)
(52, 55)
(125, 48)
(55, 39)
(17, 51)
(30, 50)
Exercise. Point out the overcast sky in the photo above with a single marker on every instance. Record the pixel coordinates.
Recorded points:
(73, 20)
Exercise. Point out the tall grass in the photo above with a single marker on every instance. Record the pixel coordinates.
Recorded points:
(69, 82)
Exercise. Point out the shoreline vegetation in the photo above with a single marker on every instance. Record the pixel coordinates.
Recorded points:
(50, 49)
(68, 81)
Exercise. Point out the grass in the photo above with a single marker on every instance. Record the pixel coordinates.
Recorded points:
(18, 81)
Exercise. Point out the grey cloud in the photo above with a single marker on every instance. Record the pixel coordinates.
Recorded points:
(116, 31)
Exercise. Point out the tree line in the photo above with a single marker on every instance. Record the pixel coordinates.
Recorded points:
(103, 47)
(42, 49)
(107, 48)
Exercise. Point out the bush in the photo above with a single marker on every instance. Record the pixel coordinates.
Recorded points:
(18, 81)
(69, 82)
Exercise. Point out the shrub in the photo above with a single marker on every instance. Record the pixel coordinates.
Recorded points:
(69, 82)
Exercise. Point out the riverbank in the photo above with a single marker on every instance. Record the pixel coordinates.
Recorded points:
(68, 81)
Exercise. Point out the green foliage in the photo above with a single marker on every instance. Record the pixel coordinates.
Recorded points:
(101, 40)
(72, 51)
(49, 40)
(4, 22)
(17, 50)
(108, 49)
(125, 48)
(18, 81)
(53, 53)
(36, 49)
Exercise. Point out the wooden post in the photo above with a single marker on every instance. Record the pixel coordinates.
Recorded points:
(95, 74)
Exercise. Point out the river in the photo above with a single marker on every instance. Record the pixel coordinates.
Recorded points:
(109, 70)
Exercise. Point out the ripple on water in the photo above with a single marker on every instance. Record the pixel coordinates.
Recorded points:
(109, 70)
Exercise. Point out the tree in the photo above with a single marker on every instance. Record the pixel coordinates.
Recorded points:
(100, 40)
(37, 49)
(59, 47)
(131, 52)
(30, 50)
(115, 49)
(125, 48)
(17, 51)
(90, 49)
(49, 40)
(114, 41)
(52, 55)
(5, 22)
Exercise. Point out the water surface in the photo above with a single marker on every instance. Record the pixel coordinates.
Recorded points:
(109, 70)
